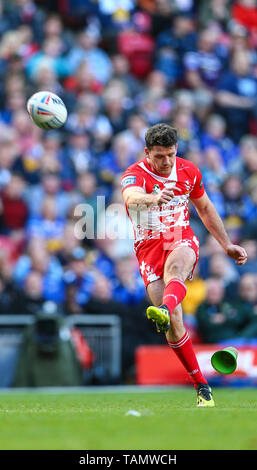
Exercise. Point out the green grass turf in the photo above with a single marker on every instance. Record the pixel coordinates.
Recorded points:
(97, 420)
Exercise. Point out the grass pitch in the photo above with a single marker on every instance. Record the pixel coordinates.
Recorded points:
(96, 420)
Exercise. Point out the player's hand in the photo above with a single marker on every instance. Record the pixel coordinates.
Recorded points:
(238, 253)
(166, 195)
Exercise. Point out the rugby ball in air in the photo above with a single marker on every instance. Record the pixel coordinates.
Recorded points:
(47, 110)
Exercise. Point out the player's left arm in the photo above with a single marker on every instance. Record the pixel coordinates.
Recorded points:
(212, 221)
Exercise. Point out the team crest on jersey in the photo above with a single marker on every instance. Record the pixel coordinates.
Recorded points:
(156, 189)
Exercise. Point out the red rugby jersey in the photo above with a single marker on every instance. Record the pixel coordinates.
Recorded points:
(154, 221)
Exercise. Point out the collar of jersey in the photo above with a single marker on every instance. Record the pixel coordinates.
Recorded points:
(172, 176)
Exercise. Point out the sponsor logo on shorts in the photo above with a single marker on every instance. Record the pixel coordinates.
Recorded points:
(147, 271)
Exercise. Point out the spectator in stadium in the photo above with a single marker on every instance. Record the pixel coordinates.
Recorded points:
(46, 78)
(5, 24)
(85, 204)
(136, 43)
(8, 257)
(9, 153)
(238, 205)
(86, 48)
(154, 102)
(181, 36)
(214, 173)
(128, 288)
(115, 105)
(50, 184)
(121, 71)
(221, 268)
(7, 297)
(239, 40)
(30, 299)
(210, 247)
(215, 135)
(87, 189)
(37, 258)
(13, 84)
(71, 306)
(52, 143)
(27, 45)
(13, 208)
(136, 128)
(214, 11)
(15, 101)
(69, 242)
(51, 53)
(187, 126)
(26, 12)
(236, 95)
(48, 226)
(247, 289)
(173, 43)
(53, 27)
(102, 300)
(40, 159)
(246, 165)
(27, 138)
(83, 81)
(49, 163)
(220, 320)
(79, 279)
(245, 13)
(88, 118)
(9, 44)
(203, 67)
(78, 155)
(250, 245)
(115, 160)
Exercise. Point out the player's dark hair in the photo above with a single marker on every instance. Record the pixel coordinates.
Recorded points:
(162, 135)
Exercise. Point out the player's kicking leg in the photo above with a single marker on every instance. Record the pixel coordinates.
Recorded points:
(166, 296)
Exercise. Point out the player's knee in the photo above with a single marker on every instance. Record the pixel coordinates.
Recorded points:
(176, 269)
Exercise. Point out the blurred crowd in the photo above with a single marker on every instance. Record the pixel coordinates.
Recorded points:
(121, 66)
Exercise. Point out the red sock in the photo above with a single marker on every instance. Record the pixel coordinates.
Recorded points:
(185, 352)
(174, 293)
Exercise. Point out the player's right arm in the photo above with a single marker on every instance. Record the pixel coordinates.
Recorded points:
(137, 197)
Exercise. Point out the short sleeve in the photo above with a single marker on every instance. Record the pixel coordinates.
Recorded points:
(198, 189)
(132, 178)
